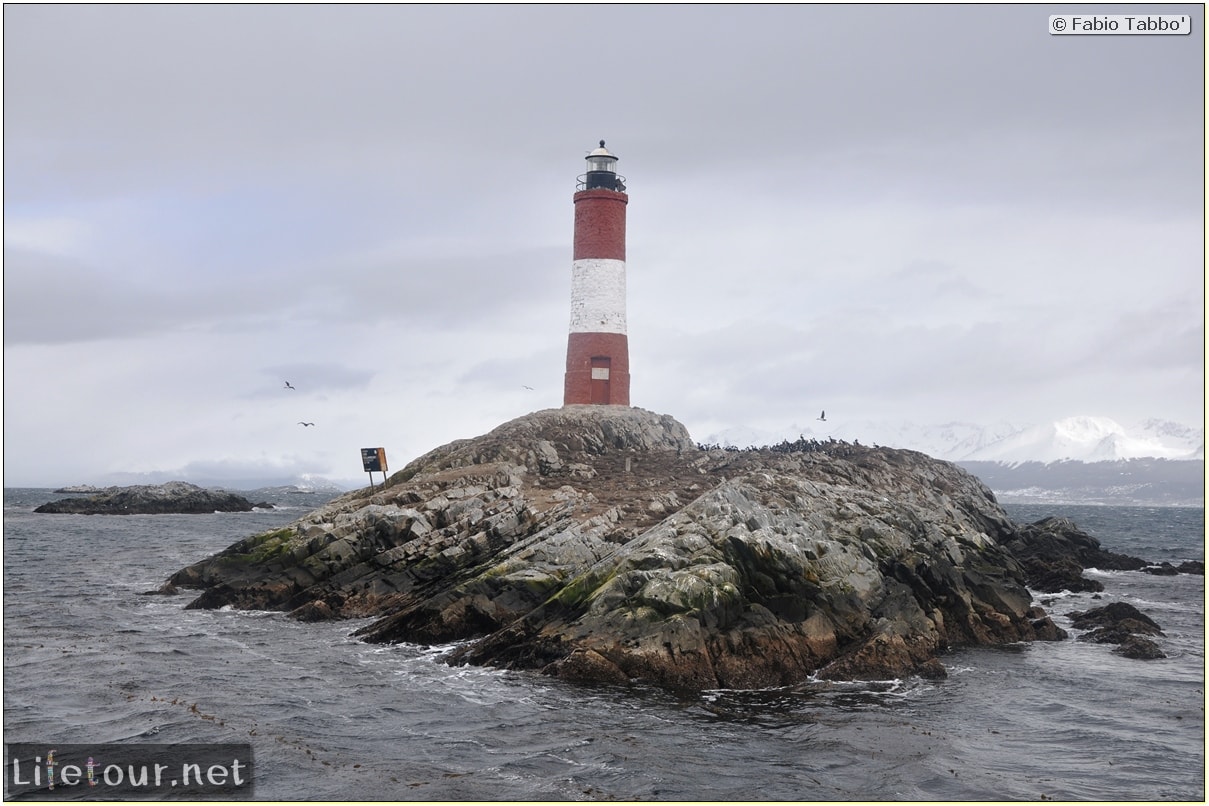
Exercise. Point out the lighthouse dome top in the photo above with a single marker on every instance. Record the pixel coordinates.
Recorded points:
(601, 152)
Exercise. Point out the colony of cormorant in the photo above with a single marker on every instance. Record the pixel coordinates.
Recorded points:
(831, 447)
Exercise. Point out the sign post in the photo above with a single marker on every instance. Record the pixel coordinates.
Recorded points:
(374, 459)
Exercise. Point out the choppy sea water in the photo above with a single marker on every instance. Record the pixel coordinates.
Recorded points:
(88, 659)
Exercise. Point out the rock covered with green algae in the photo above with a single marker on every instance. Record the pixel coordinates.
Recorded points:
(600, 544)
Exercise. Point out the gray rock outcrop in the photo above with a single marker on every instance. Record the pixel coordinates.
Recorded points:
(1122, 624)
(1054, 553)
(175, 497)
(601, 544)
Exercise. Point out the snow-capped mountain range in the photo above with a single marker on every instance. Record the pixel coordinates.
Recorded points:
(1086, 439)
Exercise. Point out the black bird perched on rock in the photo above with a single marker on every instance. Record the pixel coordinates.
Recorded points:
(300, 422)
(287, 385)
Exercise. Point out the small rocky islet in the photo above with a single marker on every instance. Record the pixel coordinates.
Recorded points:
(602, 545)
(171, 498)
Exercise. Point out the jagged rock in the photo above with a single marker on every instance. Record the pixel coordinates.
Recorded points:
(1123, 624)
(1044, 627)
(599, 543)
(1054, 552)
(175, 497)
(1113, 614)
(1139, 648)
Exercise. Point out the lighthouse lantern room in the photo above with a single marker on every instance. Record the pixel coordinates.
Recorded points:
(602, 171)
(598, 358)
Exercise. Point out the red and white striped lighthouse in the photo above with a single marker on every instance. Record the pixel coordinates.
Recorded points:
(598, 352)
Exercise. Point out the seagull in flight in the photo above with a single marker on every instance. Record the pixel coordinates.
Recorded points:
(823, 415)
(300, 422)
(530, 388)
(287, 385)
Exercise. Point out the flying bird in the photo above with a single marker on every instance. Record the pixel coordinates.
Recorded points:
(530, 388)
(287, 385)
(823, 415)
(300, 422)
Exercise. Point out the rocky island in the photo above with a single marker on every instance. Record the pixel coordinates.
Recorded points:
(174, 497)
(601, 544)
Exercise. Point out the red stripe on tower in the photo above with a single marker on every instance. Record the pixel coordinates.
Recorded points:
(598, 352)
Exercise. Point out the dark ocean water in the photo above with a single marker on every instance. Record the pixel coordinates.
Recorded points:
(88, 659)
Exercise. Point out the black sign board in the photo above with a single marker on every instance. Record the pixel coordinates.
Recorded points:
(373, 460)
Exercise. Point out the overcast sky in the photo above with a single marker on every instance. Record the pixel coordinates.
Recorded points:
(924, 213)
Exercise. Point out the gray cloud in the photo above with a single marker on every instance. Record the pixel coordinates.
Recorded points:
(908, 210)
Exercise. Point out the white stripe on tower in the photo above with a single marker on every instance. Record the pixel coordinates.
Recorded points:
(598, 295)
(598, 358)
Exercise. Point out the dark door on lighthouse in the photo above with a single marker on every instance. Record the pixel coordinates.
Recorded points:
(600, 379)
